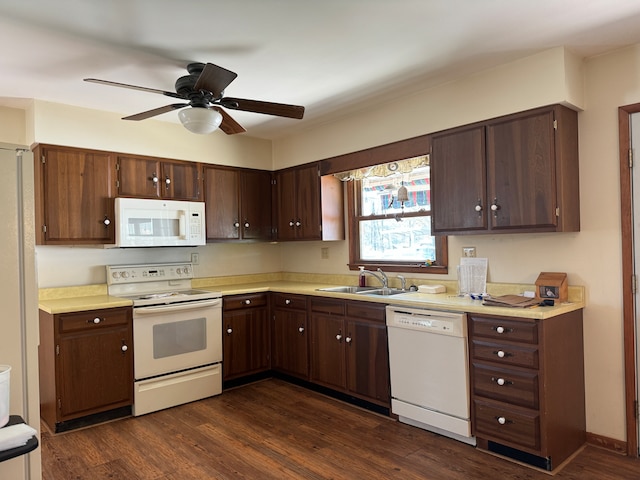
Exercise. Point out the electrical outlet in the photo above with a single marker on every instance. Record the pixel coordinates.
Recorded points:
(324, 253)
(468, 251)
(195, 258)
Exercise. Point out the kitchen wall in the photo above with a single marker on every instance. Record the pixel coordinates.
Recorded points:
(591, 257)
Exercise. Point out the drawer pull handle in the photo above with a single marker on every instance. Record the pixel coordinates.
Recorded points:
(247, 302)
(501, 381)
(501, 329)
(502, 420)
(95, 320)
(502, 354)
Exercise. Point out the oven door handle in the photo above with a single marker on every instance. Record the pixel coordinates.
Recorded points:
(177, 307)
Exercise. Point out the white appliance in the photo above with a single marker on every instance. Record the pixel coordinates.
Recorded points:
(428, 360)
(144, 222)
(177, 334)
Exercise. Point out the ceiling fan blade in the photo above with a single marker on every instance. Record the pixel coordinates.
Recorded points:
(133, 87)
(268, 108)
(229, 125)
(156, 111)
(214, 79)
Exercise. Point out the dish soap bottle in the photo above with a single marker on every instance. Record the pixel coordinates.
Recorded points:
(362, 282)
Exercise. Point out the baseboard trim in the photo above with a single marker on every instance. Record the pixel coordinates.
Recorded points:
(607, 443)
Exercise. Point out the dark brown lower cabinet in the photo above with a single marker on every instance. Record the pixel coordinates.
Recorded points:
(245, 335)
(290, 346)
(349, 348)
(527, 386)
(86, 363)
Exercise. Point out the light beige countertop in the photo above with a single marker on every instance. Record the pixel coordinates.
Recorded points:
(90, 297)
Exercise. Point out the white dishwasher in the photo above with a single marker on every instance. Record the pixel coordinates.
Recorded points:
(428, 360)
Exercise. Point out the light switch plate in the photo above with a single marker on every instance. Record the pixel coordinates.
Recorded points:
(468, 251)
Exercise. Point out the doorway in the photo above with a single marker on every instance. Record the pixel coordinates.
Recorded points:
(630, 216)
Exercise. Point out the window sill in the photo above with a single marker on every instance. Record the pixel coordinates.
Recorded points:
(408, 268)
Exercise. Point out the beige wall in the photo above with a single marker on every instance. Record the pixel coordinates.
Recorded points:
(590, 257)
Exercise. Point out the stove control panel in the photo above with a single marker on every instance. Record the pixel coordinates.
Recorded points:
(120, 274)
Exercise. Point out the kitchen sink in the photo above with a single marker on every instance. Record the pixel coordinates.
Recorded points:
(385, 292)
(348, 289)
(364, 290)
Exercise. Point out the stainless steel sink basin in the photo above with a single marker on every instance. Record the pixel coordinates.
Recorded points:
(385, 292)
(348, 289)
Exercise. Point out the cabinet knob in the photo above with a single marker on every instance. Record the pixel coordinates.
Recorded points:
(167, 181)
(154, 178)
(287, 302)
(478, 207)
(247, 302)
(502, 354)
(501, 420)
(291, 224)
(246, 224)
(495, 207)
(298, 223)
(500, 329)
(95, 320)
(236, 224)
(124, 348)
(301, 329)
(347, 339)
(106, 221)
(229, 330)
(338, 337)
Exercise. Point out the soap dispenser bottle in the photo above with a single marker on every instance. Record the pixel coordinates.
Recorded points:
(362, 282)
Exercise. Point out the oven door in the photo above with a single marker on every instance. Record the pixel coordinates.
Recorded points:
(175, 337)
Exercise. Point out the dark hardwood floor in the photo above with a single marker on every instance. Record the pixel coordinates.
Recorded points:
(276, 430)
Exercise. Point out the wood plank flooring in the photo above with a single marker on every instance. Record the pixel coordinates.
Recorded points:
(275, 430)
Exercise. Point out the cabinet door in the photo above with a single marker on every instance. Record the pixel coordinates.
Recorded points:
(290, 347)
(180, 181)
(139, 177)
(245, 342)
(458, 182)
(309, 203)
(221, 203)
(256, 190)
(94, 373)
(328, 363)
(78, 188)
(521, 172)
(287, 205)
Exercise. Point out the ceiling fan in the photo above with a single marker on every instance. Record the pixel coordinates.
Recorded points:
(203, 89)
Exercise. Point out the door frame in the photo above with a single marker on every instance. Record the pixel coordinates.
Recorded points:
(628, 296)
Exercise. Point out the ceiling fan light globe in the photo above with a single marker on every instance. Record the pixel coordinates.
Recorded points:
(200, 120)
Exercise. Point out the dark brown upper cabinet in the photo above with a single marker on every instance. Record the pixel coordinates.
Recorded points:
(517, 173)
(150, 177)
(238, 203)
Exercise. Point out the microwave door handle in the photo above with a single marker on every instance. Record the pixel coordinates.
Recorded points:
(178, 307)
(182, 220)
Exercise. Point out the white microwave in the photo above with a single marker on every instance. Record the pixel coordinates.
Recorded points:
(159, 223)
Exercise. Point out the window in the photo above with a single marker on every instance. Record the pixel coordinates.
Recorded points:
(390, 218)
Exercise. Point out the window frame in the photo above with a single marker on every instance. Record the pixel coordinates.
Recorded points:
(355, 261)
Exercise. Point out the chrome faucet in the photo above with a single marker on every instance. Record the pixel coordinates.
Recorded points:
(403, 282)
(382, 277)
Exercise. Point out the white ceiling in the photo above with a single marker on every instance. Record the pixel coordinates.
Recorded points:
(330, 56)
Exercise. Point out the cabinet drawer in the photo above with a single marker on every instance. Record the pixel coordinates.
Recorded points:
(510, 386)
(506, 354)
(91, 320)
(497, 421)
(244, 301)
(285, 300)
(498, 328)
(331, 307)
(368, 311)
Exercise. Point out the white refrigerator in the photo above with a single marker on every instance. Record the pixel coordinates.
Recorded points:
(19, 299)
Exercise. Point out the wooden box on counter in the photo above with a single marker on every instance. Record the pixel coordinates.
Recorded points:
(552, 285)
